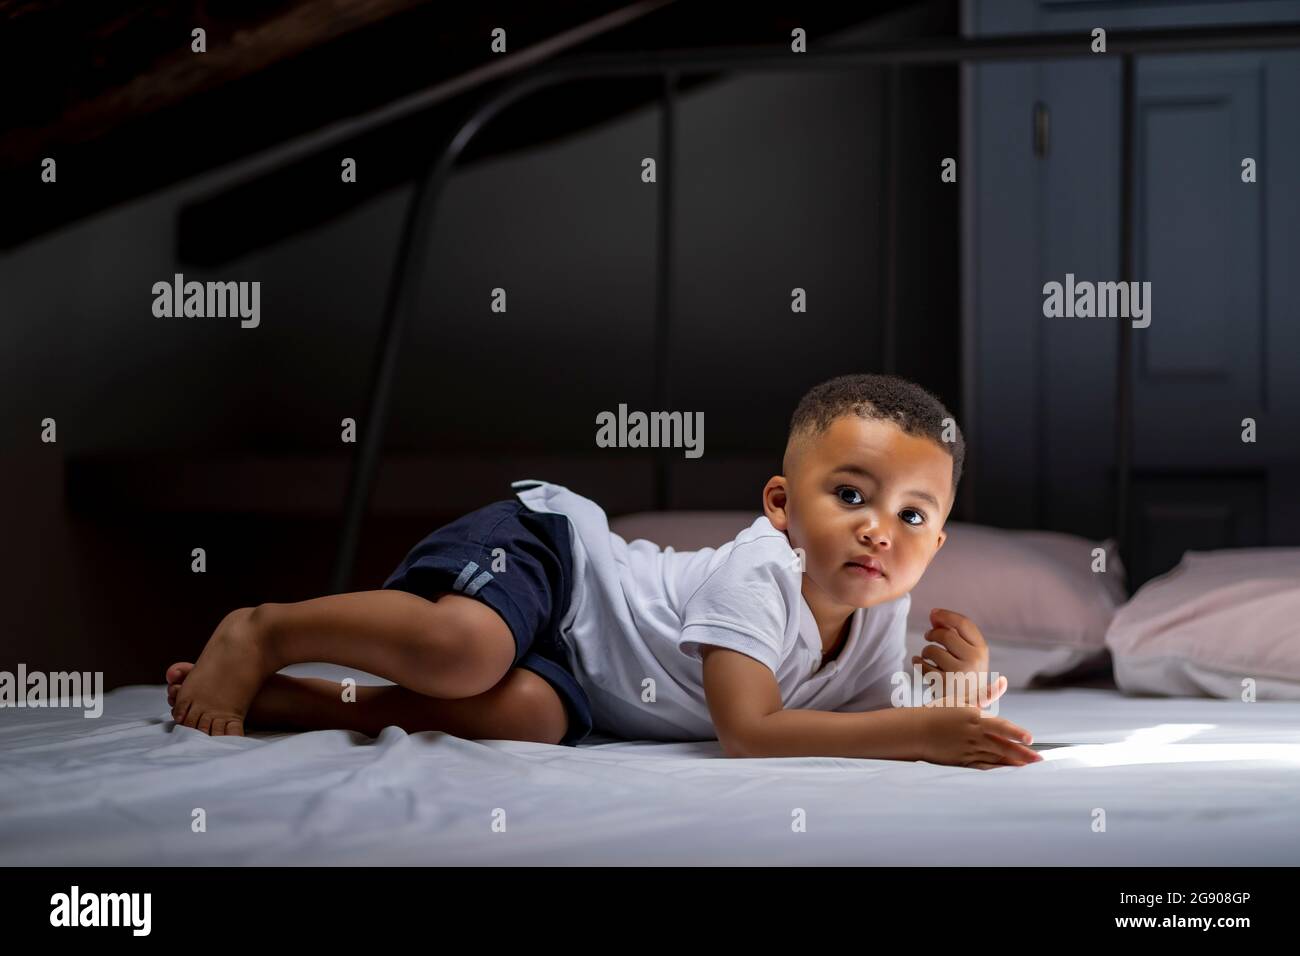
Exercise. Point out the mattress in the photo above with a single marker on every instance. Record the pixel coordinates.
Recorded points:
(1126, 781)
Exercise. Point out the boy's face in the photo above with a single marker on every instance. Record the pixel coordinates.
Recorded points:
(862, 489)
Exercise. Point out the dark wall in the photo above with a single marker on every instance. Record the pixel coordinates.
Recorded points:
(205, 424)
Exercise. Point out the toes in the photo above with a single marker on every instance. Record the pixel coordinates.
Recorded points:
(172, 691)
(179, 671)
(220, 725)
(208, 722)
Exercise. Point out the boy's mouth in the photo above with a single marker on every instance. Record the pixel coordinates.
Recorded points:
(866, 567)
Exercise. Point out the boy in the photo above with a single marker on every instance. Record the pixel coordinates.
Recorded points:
(530, 620)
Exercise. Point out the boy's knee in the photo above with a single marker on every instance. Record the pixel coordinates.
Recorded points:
(466, 644)
(535, 707)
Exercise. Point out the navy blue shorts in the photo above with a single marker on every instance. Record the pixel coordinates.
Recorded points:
(518, 562)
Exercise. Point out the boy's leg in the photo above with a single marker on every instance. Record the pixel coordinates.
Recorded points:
(448, 648)
(522, 706)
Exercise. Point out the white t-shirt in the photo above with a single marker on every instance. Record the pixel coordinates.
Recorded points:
(640, 612)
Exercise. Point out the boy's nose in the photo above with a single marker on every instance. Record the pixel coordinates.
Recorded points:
(874, 536)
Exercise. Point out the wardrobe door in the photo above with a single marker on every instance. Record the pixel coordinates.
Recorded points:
(1219, 363)
(1221, 355)
(1044, 138)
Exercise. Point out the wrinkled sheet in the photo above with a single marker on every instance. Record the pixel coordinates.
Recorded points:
(1182, 781)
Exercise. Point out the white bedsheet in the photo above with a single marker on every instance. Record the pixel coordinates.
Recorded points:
(1181, 781)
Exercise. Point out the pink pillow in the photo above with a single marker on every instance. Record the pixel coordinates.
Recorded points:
(1033, 594)
(1022, 587)
(1218, 618)
(683, 530)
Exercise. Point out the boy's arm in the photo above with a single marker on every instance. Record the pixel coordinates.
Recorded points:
(745, 706)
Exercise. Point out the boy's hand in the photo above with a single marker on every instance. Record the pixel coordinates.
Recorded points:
(965, 737)
(961, 648)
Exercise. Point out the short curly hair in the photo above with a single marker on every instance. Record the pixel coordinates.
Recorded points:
(882, 397)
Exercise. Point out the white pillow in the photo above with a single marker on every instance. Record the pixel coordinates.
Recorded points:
(1216, 620)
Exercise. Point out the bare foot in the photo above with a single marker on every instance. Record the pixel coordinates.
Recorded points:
(277, 703)
(213, 695)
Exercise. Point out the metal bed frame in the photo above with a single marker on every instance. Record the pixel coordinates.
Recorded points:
(669, 66)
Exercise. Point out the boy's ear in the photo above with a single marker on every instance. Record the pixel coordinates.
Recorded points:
(776, 502)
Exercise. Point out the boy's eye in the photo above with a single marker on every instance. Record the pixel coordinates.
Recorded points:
(851, 496)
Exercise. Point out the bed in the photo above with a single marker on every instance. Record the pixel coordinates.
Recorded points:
(1181, 781)
(1126, 780)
